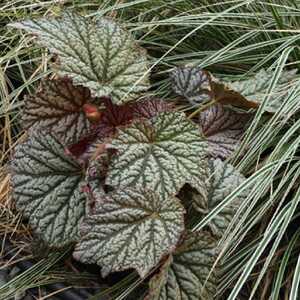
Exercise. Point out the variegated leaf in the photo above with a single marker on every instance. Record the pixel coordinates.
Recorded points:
(47, 186)
(101, 55)
(188, 274)
(193, 83)
(130, 228)
(161, 156)
(58, 106)
(223, 128)
(223, 180)
(255, 88)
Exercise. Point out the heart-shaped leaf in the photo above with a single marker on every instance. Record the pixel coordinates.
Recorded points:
(130, 229)
(223, 128)
(161, 156)
(47, 186)
(193, 83)
(188, 274)
(59, 106)
(224, 179)
(100, 55)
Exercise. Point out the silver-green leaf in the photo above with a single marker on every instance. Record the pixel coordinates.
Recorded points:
(47, 187)
(101, 55)
(161, 156)
(193, 83)
(58, 106)
(130, 228)
(189, 273)
(224, 179)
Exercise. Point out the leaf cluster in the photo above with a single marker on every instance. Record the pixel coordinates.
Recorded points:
(104, 166)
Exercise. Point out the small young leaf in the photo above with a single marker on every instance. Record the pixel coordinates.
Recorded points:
(223, 128)
(92, 112)
(58, 106)
(161, 156)
(101, 56)
(188, 274)
(193, 83)
(130, 229)
(223, 180)
(47, 186)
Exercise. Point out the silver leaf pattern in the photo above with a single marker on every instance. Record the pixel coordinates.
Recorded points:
(130, 228)
(101, 56)
(188, 274)
(161, 156)
(193, 83)
(47, 187)
(223, 180)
